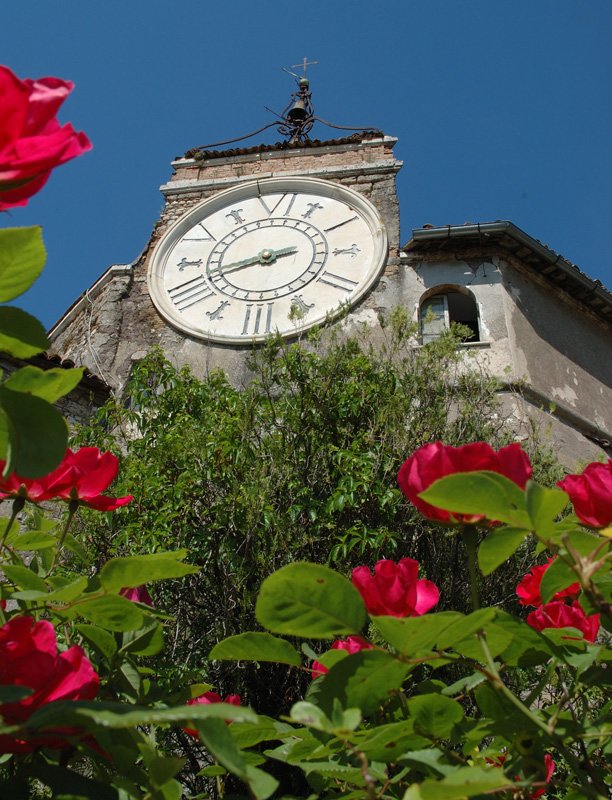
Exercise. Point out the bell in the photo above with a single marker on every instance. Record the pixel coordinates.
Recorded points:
(298, 111)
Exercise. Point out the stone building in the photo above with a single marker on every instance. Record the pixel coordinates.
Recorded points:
(281, 237)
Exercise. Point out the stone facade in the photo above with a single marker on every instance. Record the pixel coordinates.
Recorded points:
(543, 327)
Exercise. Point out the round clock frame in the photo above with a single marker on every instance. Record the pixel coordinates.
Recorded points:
(276, 255)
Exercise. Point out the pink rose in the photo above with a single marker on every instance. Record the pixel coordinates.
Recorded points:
(395, 589)
(591, 494)
(352, 644)
(528, 590)
(206, 699)
(29, 658)
(559, 615)
(32, 142)
(434, 461)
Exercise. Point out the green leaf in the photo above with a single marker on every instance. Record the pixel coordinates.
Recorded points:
(543, 506)
(462, 783)
(310, 601)
(69, 592)
(387, 743)
(49, 385)
(432, 761)
(261, 784)
(24, 578)
(72, 544)
(22, 258)
(304, 713)
(434, 715)
(364, 680)
(21, 334)
(415, 635)
(255, 647)
(91, 715)
(34, 540)
(132, 571)
(498, 639)
(101, 640)
(584, 542)
(147, 641)
(162, 769)
(13, 694)
(557, 577)
(500, 544)
(213, 771)
(33, 435)
(265, 730)
(112, 612)
(465, 627)
(218, 740)
(488, 493)
(527, 647)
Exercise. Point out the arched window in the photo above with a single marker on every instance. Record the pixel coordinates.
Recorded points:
(438, 311)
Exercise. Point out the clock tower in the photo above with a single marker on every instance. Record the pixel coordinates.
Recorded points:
(251, 241)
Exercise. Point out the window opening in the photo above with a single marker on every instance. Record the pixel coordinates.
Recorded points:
(439, 311)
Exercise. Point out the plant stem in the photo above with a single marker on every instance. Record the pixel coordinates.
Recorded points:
(72, 507)
(18, 504)
(469, 534)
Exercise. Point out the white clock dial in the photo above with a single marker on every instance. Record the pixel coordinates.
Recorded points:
(275, 255)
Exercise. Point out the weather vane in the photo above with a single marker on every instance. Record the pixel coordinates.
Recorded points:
(296, 120)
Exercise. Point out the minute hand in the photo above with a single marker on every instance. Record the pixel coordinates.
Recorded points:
(264, 258)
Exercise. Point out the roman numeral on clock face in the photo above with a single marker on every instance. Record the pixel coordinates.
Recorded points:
(257, 318)
(337, 281)
(191, 292)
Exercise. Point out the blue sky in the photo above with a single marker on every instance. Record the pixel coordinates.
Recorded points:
(502, 110)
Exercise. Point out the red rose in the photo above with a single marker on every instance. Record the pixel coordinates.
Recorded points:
(352, 644)
(434, 461)
(29, 657)
(591, 494)
(139, 594)
(85, 475)
(559, 615)
(206, 699)
(32, 142)
(549, 766)
(395, 589)
(36, 490)
(528, 590)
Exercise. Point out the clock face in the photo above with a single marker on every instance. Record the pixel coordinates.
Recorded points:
(271, 256)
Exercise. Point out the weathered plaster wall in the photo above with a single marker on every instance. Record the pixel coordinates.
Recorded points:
(558, 347)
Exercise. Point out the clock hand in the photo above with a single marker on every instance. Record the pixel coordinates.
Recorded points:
(266, 256)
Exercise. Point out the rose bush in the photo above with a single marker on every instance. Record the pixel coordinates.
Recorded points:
(32, 141)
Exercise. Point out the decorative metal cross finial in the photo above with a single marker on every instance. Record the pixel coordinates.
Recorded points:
(305, 63)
